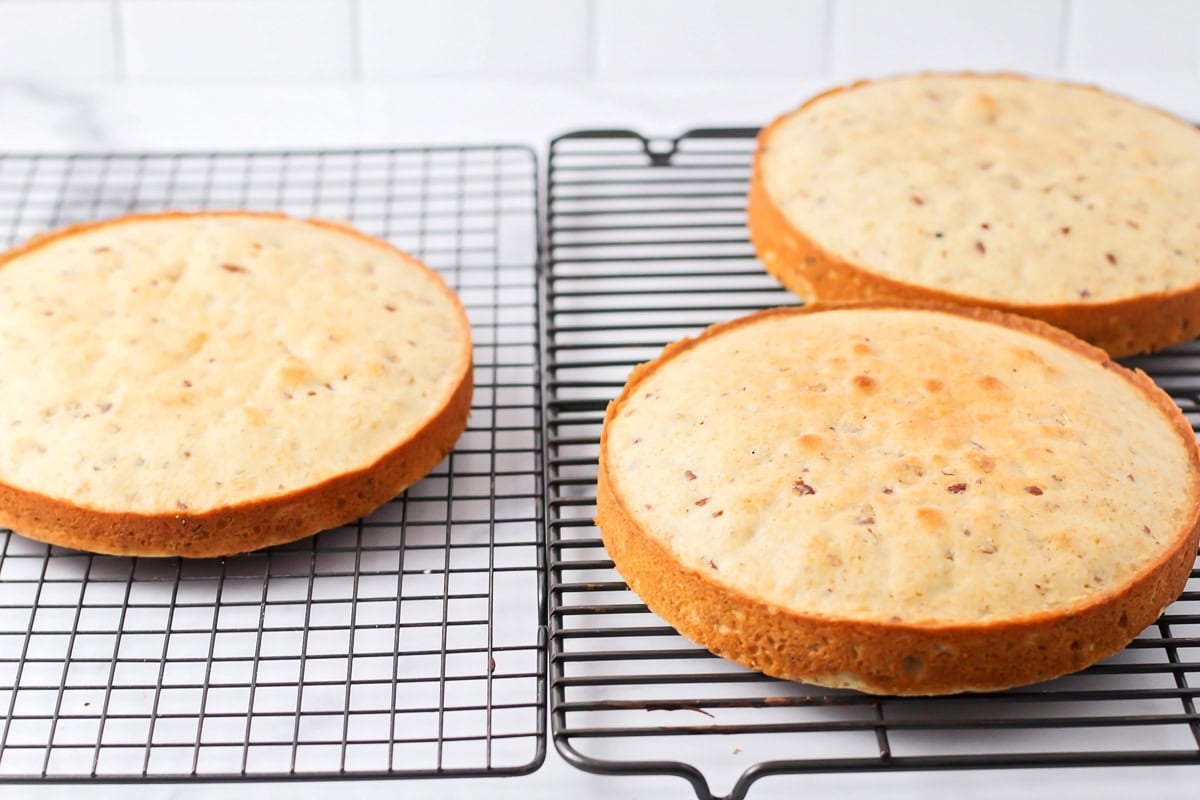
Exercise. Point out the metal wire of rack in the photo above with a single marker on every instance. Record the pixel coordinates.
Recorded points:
(407, 644)
(646, 243)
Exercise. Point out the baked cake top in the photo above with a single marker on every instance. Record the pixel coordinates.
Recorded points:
(901, 465)
(196, 361)
(1000, 188)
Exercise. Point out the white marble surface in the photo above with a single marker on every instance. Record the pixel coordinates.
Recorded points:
(59, 117)
(38, 118)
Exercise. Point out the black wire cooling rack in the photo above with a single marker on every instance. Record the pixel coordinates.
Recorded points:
(646, 243)
(408, 644)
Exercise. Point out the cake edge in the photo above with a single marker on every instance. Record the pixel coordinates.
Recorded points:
(1122, 327)
(896, 658)
(257, 523)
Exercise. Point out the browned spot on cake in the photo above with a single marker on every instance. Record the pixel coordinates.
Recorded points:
(689, 475)
(811, 442)
(907, 470)
(1048, 369)
(1025, 354)
(1055, 431)
(295, 373)
(934, 386)
(1034, 490)
(195, 342)
(930, 517)
(864, 383)
(990, 383)
(956, 488)
(981, 462)
(862, 349)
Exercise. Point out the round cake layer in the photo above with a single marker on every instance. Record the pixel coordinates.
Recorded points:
(1053, 200)
(901, 500)
(206, 383)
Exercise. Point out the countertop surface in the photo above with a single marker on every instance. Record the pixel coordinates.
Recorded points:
(37, 118)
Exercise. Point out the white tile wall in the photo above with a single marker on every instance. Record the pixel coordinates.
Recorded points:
(65, 40)
(475, 39)
(877, 36)
(273, 41)
(1150, 35)
(680, 39)
(237, 40)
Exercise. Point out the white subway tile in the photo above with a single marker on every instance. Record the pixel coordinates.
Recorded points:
(68, 40)
(237, 40)
(879, 36)
(682, 39)
(546, 39)
(1134, 35)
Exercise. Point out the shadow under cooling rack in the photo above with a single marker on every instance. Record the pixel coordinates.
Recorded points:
(646, 243)
(407, 644)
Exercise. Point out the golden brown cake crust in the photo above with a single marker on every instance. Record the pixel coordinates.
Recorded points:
(255, 523)
(248, 526)
(1122, 327)
(893, 657)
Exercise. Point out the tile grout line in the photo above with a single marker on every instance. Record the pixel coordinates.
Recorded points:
(117, 28)
(1065, 15)
(593, 36)
(828, 32)
(357, 63)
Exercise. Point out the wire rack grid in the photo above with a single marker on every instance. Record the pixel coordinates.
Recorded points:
(406, 644)
(646, 243)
